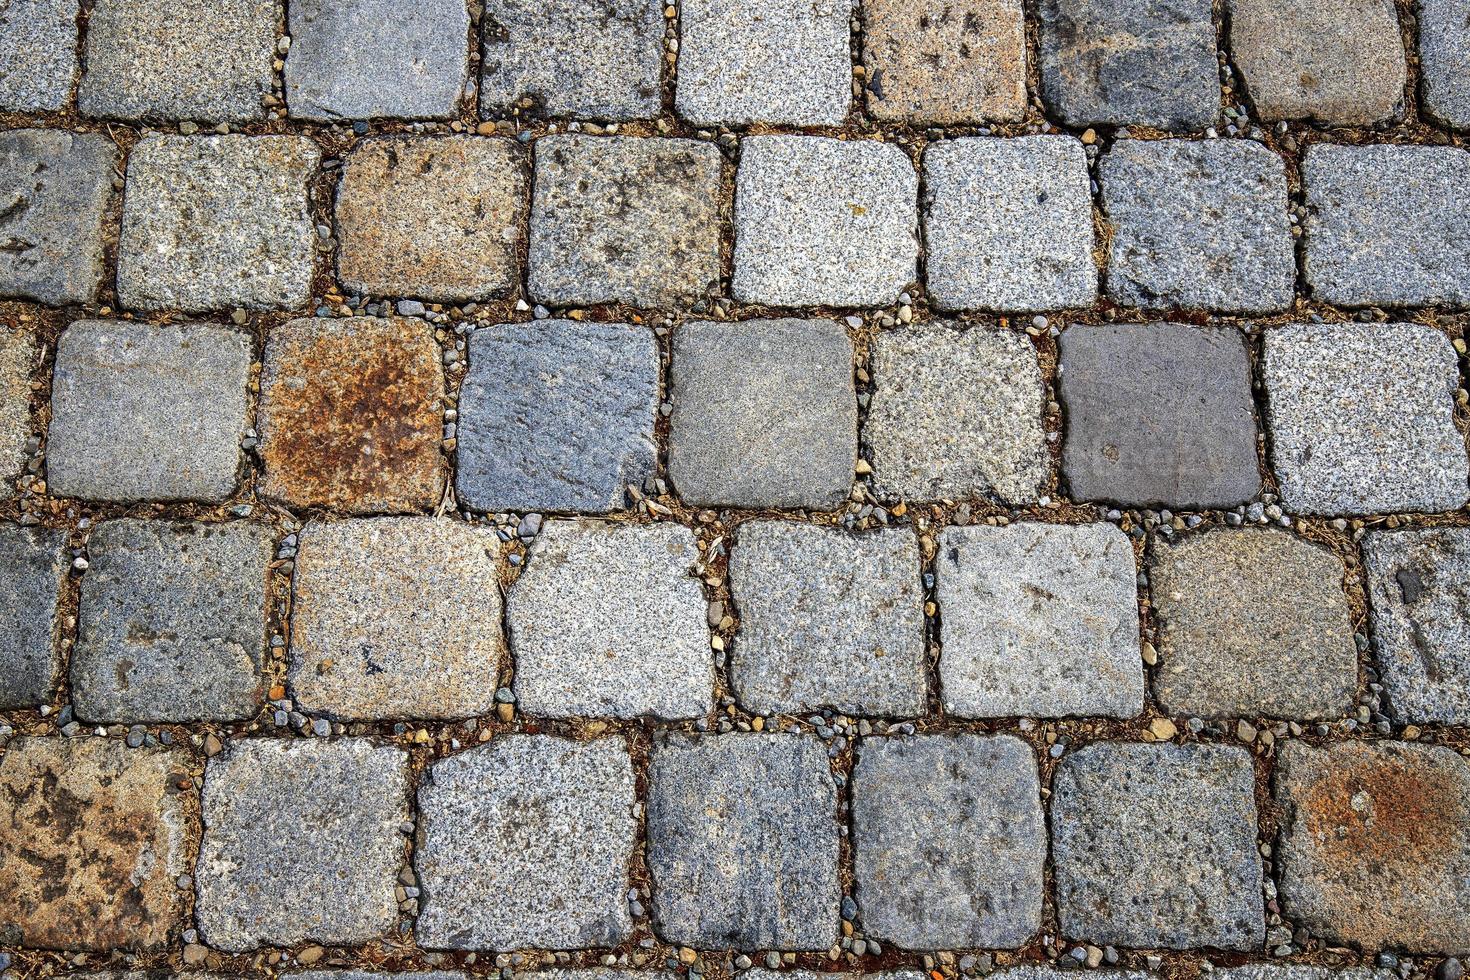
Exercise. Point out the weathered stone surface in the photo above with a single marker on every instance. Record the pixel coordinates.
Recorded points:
(1444, 61)
(1252, 622)
(301, 842)
(1053, 973)
(827, 620)
(525, 843)
(1129, 62)
(743, 841)
(824, 221)
(1361, 418)
(1338, 62)
(608, 619)
(956, 414)
(1008, 224)
(38, 55)
(217, 221)
(1418, 589)
(1375, 846)
(32, 563)
(143, 411)
(396, 617)
(619, 219)
(572, 58)
(1158, 414)
(1155, 846)
(366, 59)
(1040, 620)
(1388, 225)
(376, 975)
(1297, 971)
(93, 835)
(759, 61)
(765, 414)
(55, 188)
(950, 841)
(1198, 224)
(351, 415)
(178, 59)
(760, 973)
(18, 355)
(557, 415)
(172, 622)
(408, 207)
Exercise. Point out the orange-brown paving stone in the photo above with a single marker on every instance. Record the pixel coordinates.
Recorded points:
(93, 836)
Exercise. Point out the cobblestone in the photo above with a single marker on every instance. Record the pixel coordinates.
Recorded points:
(1444, 61)
(38, 55)
(32, 563)
(18, 356)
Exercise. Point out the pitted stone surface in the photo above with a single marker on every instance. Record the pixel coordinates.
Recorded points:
(1155, 846)
(32, 563)
(827, 619)
(396, 617)
(1040, 620)
(1295, 971)
(743, 841)
(950, 841)
(38, 54)
(19, 353)
(1444, 61)
(525, 843)
(557, 415)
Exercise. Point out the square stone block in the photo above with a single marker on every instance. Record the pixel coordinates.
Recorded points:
(38, 55)
(32, 563)
(525, 843)
(19, 354)
(351, 415)
(824, 222)
(1444, 61)
(143, 411)
(217, 221)
(765, 414)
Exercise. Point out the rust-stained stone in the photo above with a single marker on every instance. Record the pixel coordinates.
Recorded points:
(351, 415)
(93, 835)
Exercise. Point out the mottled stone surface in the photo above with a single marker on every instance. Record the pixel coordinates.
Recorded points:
(351, 415)
(955, 414)
(217, 221)
(1252, 622)
(525, 843)
(619, 219)
(765, 414)
(827, 619)
(172, 622)
(1008, 224)
(301, 842)
(93, 835)
(1444, 61)
(1155, 846)
(438, 218)
(1361, 418)
(19, 353)
(1297, 971)
(608, 620)
(375, 975)
(32, 563)
(1375, 845)
(1158, 414)
(38, 54)
(824, 221)
(1040, 620)
(396, 618)
(949, 841)
(143, 411)
(743, 841)
(557, 415)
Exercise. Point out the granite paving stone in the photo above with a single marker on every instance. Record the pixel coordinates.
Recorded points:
(396, 617)
(1039, 620)
(821, 221)
(438, 217)
(624, 220)
(827, 619)
(301, 842)
(217, 221)
(1361, 418)
(729, 871)
(1055, 973)
(38, 54)
(32, 563)
(956, 414)
(1444, 61)
(764, 414)
(1155, 846)
(143, 411)
(1252, 622)
(609, 620)
(1375, 844)
(19, 353)
(1158, 413)
(172, 622)
(375, 975)
(1297, 971)
(949, 841)
(525, 842)
(1008, 224)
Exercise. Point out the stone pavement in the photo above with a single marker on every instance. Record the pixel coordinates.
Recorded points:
(734, 489)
